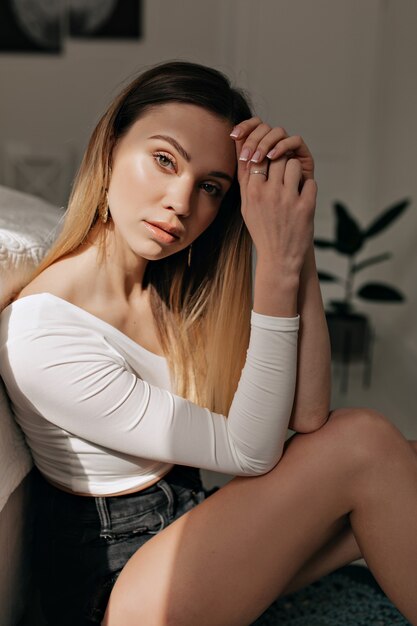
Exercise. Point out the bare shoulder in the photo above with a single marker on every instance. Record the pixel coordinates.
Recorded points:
(55, 279)
(71, 280)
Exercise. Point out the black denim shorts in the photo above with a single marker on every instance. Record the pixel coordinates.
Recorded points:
(82, 543)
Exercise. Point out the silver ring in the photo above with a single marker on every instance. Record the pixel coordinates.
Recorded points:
(259, 172)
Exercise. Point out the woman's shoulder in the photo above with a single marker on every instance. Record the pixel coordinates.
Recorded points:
(44, 310)
(46, 298)
(55, 279)
(66, 285)
(64, 280)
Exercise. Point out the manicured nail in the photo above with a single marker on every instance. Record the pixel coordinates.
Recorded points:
(236, 132)
(245, 154)
(256, 156)
(271, 154)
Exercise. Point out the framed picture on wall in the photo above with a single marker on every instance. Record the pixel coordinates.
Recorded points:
(41, 25)
(31, 26)
(105, 19)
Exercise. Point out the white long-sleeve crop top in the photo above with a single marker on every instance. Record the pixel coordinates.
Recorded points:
(97, 410)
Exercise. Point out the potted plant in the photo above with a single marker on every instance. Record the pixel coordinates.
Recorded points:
(350, 332)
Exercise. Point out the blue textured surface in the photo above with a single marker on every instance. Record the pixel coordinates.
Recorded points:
(348, 597)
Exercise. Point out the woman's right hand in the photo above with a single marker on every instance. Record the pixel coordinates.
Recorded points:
(278, 210)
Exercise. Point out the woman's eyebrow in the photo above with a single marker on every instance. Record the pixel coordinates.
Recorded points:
(174, 143)
(186, 156)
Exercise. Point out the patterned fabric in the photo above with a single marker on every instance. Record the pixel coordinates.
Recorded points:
(27, 228)
(348, 597)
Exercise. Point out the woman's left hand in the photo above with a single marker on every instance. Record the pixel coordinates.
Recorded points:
(272, 143)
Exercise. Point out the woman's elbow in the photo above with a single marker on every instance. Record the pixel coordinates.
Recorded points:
(258, 468)
(309, 422)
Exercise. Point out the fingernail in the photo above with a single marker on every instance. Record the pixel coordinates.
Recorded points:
(256, 156)
(271, 154)
(236, 132)
(245, 154)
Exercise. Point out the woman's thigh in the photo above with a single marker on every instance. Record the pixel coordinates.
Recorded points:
(225, 561)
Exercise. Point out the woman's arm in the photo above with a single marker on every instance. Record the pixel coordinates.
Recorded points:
(312, 396)
(82, 382)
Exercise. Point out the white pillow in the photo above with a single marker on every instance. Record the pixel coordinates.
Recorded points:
(28, 226)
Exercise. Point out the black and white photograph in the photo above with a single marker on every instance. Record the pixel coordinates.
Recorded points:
(105, 19)
(31, 26)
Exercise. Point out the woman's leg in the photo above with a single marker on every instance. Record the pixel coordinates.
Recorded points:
(225, 561)
(341, 550)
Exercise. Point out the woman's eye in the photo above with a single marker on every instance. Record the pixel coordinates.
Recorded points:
(163, 160)
(212, 190)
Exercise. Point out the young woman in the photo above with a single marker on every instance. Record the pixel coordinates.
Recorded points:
(137, 353)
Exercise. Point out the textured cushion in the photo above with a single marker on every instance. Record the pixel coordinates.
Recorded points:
(28, 226)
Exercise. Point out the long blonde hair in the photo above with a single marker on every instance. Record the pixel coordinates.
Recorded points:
(202, 312)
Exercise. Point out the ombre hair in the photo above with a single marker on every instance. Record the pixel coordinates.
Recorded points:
(201, 312)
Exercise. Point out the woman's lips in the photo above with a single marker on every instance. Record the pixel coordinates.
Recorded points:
(159, 234)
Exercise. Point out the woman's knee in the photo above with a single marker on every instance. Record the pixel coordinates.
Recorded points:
(358, 434)
(367, 432)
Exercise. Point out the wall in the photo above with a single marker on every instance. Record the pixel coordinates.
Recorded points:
(339, 72)
(395, 147)
(393, 152)
(52, 102)
(343, 74)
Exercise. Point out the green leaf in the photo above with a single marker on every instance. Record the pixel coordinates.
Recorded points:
(384, 220)
(326, 277)
(380, 292)
(371, 261)
(349, 238)
(323, 243)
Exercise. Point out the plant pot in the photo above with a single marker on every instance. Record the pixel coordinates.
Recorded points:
(349, 336)
(350, 340)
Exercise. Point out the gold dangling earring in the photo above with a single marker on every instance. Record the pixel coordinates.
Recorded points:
(104, 209)
(189, 254)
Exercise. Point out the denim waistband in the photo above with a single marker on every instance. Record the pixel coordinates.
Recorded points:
(179, 475)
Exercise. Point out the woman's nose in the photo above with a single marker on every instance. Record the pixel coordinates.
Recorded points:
(179, 197)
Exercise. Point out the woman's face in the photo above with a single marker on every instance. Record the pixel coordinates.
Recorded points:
(173, 166)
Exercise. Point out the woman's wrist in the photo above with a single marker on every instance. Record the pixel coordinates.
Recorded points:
(275, 291)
